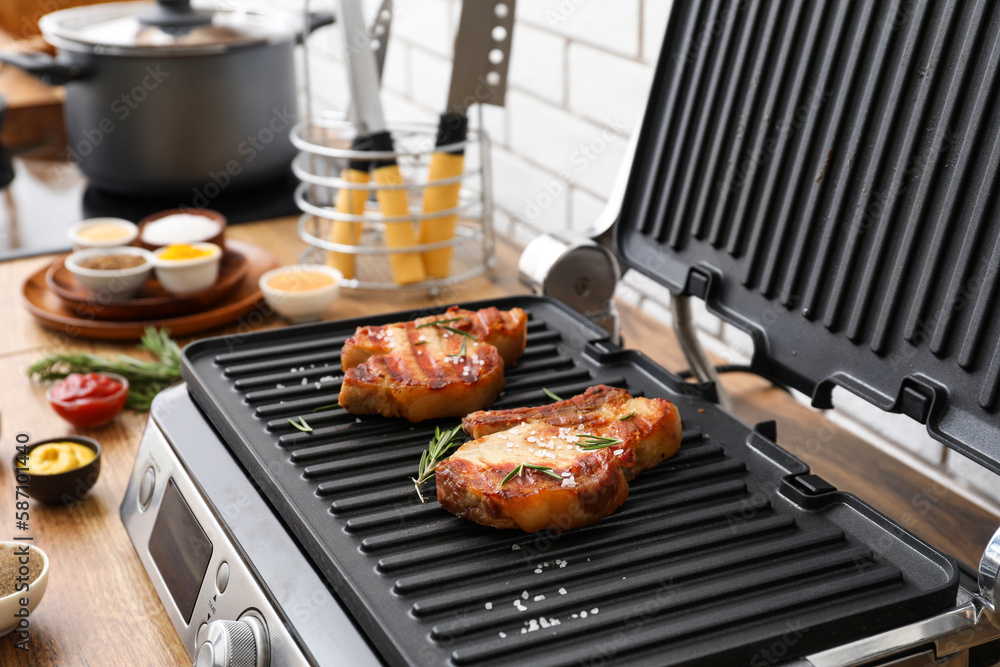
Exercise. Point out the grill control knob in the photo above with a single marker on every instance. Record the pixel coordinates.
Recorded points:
(241, 643)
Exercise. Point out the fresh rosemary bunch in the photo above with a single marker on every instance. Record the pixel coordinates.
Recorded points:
(145, 378)
(437, 449)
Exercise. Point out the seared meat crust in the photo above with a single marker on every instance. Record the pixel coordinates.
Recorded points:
(651, 427)
(427, 372)
(594, 482)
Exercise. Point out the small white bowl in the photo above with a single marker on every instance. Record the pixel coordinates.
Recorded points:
(301, 305)
(81, 243)
(11, 604)
(115, 284)
(184, 276)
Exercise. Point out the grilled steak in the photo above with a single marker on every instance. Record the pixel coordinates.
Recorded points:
(579, 455)
(649, 427)
(442, 366)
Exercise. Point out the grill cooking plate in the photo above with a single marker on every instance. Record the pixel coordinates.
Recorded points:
(728, 553)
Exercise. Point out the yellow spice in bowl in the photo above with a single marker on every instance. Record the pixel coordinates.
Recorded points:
(54, 458)
(184, 251)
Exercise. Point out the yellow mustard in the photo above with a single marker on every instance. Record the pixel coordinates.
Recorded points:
(57, 457)
(183, 251)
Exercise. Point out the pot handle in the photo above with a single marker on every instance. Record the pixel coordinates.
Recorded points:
(53, 71)
(316, 21)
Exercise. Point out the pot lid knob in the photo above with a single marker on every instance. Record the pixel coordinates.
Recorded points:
(175, 15)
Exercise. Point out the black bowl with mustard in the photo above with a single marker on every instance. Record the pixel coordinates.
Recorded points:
(60, 470)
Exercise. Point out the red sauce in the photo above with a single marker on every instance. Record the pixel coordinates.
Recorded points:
(87, 400)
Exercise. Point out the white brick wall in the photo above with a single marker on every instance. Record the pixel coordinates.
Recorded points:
(578, 79)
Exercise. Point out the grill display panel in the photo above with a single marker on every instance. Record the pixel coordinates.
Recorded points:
(727, 553)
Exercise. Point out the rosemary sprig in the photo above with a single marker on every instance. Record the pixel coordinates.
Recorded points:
(321, 408)
(303, 426)
(550, 394)
(145, 378)
(436, 323)
(421, 342)
(521, 467)
(590, 442)
(437, 448)
(627, 417)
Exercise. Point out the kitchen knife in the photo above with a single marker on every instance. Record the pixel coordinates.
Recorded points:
(479, 74)
(352, 201)
(407, 267)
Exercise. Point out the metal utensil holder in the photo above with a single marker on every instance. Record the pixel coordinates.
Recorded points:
(325, 151)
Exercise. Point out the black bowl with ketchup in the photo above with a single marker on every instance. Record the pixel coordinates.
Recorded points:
(88, 400)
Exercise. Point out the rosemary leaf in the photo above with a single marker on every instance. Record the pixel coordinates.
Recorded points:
(458, 331)
(627, 417)
(436, 323)
(462, 352)
(550, 394)
(521, 467)
(591, 442)
(321, 408)
(303, 426)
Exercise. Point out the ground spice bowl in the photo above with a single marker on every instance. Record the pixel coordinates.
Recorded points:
(11, 610)
(67, 487)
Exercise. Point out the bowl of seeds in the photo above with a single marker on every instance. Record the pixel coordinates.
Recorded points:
(24, 576)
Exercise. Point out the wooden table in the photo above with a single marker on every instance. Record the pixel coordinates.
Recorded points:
(100, 607)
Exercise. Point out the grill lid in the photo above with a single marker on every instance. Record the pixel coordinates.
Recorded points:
(821, 174)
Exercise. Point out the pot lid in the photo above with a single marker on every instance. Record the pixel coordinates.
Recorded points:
(164, 28)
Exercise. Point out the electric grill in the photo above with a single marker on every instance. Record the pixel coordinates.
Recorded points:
(312, 547)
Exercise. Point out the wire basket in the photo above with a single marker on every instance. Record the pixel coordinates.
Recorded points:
(325, 151)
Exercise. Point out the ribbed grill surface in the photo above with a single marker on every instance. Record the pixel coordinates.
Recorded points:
(836, 162)
(704, 563)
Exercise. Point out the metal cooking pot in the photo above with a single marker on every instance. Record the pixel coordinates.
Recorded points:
(164, 99)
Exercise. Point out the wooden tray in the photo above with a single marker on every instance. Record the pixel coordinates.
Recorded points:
(51, 312)
(152, 302)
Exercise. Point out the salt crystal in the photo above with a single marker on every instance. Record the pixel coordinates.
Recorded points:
(618, 452)
(562, 591)
(524, 595)
(576, 616)
(555, 621)
(305, 380)
(538, 598)
(279, 386)
(538, 570)
(544, 621)
(583, 614)
(489, 605)
(594, 610)
(515, 547)
(503, 635)
(327, 378)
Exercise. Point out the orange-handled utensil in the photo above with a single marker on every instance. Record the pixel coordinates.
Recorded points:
(370, 123)
(479, 74)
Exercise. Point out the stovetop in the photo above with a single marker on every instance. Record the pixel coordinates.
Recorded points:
(47, 197)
